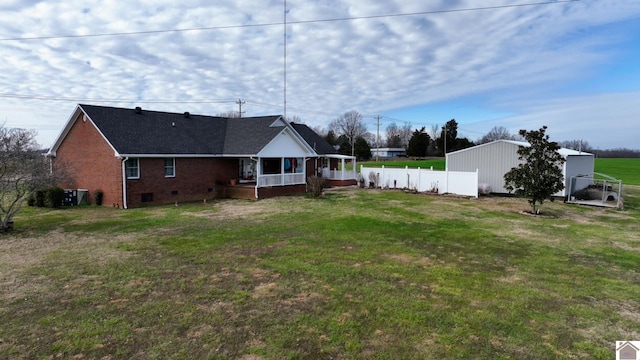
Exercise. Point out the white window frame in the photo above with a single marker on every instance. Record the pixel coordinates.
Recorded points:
(172, 167)
(131, 164)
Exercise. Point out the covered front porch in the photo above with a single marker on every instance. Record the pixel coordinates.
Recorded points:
(263, 177)
(339, 170)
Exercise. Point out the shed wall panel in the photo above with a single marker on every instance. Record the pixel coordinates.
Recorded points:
(492, 161)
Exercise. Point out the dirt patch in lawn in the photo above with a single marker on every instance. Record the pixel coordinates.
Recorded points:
(19, 254)
(236, 209)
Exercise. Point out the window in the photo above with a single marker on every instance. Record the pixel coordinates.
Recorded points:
(169, 167)
(271, 166)
(293, 165)
(133, 168)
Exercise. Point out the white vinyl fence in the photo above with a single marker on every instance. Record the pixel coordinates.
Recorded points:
(422, 180)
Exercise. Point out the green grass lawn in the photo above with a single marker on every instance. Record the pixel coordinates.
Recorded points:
(358, 274)
(437, 163)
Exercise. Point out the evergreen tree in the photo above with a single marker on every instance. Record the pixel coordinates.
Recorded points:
(419, 143)
(362, 150)
(344, 145)
(540, 176)
(331, 138)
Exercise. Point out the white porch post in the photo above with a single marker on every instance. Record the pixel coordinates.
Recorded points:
(258, 172)
(282, 171)
(342, 169)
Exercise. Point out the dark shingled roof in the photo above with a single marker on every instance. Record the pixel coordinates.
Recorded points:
(317, 142)
(156, 132)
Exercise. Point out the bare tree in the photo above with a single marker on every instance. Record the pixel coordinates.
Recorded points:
(350, 124)
(23, 170)
(434, 132)
(393, 136)
(498, 133)
(320, 131)
(295, 119)
(405, 134)
(579, 145)
(230, 114)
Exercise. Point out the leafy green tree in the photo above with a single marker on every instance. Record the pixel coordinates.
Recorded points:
(419, 143)
(362, 150)
(540, 175)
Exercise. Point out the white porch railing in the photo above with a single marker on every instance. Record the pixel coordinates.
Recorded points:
(336, 174)
(281, 180)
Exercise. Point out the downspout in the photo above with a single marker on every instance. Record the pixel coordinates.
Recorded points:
(124, 183)
(255, 189)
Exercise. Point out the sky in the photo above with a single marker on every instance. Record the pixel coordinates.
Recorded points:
(573, 66)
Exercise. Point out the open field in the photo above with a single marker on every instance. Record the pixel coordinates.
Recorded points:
(359, 274)
(627, 170)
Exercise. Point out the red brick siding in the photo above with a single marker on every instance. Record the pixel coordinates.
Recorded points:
(195, 179)
(267, 192)
(89, 162)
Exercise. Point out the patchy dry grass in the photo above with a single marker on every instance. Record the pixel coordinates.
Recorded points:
(356, 274)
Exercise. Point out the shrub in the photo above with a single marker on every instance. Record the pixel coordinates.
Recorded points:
(361, 181)
(39, 197)
(373, 180)
(97, 197)
(53, 197)
(315, 185)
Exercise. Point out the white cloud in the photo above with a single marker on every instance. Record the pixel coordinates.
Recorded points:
(370, 65)
(604, 121)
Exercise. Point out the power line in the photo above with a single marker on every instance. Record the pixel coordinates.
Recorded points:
(79, 100)
(285, 22)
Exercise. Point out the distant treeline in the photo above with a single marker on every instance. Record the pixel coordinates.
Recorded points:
(615, 153)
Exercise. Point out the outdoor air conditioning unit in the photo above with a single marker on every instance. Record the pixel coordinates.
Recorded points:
(73, 197)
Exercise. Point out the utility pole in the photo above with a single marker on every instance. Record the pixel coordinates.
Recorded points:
(445, 140)
(378, 140)
(240, 102)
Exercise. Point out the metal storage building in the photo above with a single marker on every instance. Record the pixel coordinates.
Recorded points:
(494, 159)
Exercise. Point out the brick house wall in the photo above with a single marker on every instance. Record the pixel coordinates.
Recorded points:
(267, 192)
(196, 179)
(89, 162)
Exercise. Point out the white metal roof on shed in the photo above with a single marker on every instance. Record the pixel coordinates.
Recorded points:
(562, 151)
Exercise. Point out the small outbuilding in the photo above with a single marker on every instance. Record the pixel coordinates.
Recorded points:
(388, 153)
(494, 159)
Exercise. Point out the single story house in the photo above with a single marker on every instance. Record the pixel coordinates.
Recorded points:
(388, 152)
(494, 159)
(137, 157)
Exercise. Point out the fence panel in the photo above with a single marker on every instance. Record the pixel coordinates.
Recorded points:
(423, 180)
